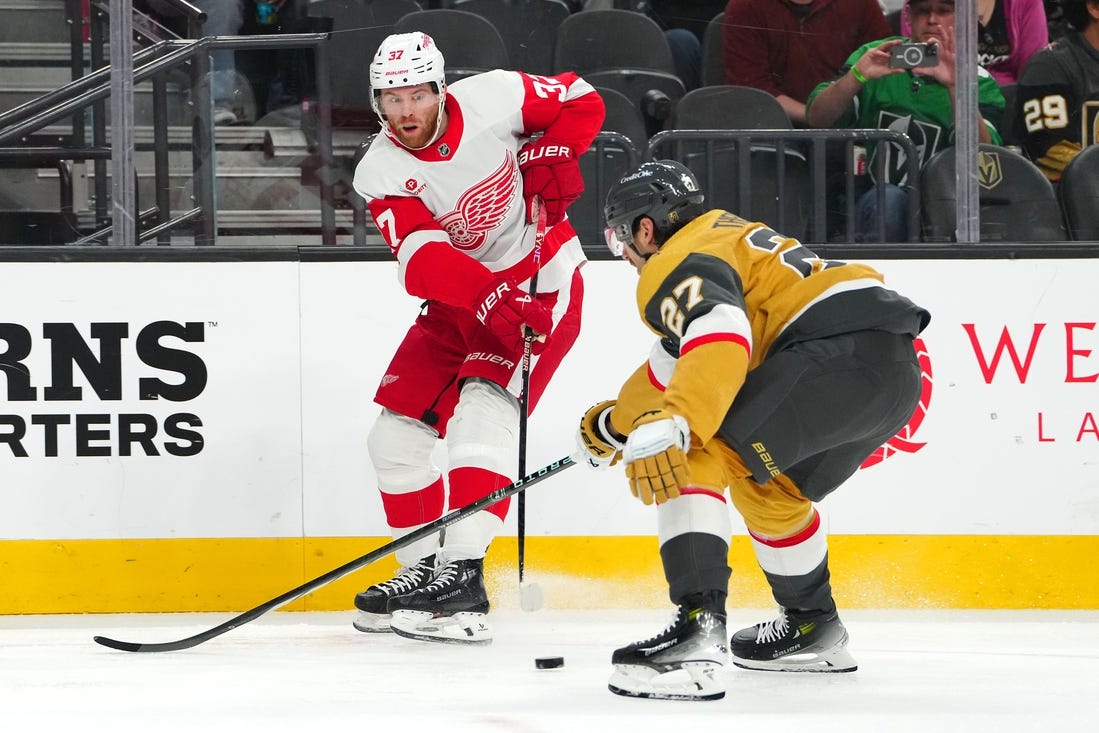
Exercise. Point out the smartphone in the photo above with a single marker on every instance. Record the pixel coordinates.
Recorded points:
(913, 55)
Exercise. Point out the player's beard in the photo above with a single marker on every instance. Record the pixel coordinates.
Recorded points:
(418, 138)
(425, 133)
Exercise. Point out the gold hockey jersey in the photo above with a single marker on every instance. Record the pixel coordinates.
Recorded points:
(722, 294)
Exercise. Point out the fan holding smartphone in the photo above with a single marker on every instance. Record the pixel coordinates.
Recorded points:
(906, 85)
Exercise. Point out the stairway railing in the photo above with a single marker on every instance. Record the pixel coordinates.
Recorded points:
(153, 63)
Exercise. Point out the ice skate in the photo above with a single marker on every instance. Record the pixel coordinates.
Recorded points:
(814, 641)
(373, 614)
(451, 609)
(683, 662)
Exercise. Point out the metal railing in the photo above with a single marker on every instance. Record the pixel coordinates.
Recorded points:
(817, 149)
(153, 63)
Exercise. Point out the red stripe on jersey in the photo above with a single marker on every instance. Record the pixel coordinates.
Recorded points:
(415, 508)
(653, 380)
(797, 539)
(469, 484)
(689, 490)
(710, 338)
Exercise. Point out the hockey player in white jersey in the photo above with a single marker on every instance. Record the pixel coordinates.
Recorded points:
(453, 183)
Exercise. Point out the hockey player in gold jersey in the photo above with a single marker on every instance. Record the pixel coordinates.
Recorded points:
(774, 376)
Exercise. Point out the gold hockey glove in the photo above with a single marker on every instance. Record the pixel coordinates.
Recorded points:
(596, 445)
(656, 456)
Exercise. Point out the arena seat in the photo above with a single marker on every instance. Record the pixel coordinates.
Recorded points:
(358, 28)
(469, 42)
(1017, 202)
(528, 27)
(1079, 194)
(625, 51)
(713, 57)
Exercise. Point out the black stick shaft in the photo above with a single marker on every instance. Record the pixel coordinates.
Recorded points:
(524, 397)
(360, 562)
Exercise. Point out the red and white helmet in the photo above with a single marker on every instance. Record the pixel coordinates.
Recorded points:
(405, 60)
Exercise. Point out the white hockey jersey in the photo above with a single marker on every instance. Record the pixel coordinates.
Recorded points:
(464, 190)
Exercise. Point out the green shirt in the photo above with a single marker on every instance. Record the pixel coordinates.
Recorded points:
(916, 105)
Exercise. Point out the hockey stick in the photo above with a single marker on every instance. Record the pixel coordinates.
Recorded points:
(530, 599)
(360, 562)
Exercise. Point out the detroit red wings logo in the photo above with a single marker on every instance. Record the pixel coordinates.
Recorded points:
(481, 209)
(903, 442)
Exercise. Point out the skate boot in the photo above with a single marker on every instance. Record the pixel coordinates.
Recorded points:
(452, 608)
(373, 616)
(683, 662)
(796, 641)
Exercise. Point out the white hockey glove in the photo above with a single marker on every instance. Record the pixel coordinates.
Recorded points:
(596, 445)
(656, 456)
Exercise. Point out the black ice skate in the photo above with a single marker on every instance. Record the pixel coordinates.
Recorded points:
(372, 602)
(796, 641)
(451, 609)
(683, 662)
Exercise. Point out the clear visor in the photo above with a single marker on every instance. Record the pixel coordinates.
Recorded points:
(617, 239)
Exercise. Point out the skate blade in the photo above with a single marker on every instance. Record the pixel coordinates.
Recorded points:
(461, 628)
(372, 623)
(835, 660)
(691, 681)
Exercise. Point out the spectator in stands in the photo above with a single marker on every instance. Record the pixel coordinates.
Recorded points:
(1058, 94)
(870, 93)
(1009, 32)
(230, 91)
(223, 18)
(787, 47)
(684, 23)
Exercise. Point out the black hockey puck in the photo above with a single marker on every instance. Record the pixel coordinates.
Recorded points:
(549, 662)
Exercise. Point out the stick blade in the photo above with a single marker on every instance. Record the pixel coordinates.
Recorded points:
(530, 597)
(134, 646)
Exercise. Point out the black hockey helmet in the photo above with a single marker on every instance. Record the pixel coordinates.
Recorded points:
(666, 191)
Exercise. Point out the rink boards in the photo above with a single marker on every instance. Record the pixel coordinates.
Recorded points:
(190, 436)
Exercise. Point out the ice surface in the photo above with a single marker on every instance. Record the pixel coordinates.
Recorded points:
(918, 671)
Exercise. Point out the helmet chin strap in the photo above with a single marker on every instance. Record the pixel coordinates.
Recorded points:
(637, 252)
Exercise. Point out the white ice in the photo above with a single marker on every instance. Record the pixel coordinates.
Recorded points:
(918, 671)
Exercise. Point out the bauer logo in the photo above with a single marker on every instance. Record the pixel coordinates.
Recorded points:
(78, 389)
(905, 441)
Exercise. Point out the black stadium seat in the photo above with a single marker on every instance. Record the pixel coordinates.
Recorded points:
(1017, 202)
(625, 51)
(1079, 193)
(528, 27)
(623, 117)
(469, 42)
(730, 107)
(713, 57)
(597, 40)
(358, 28)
